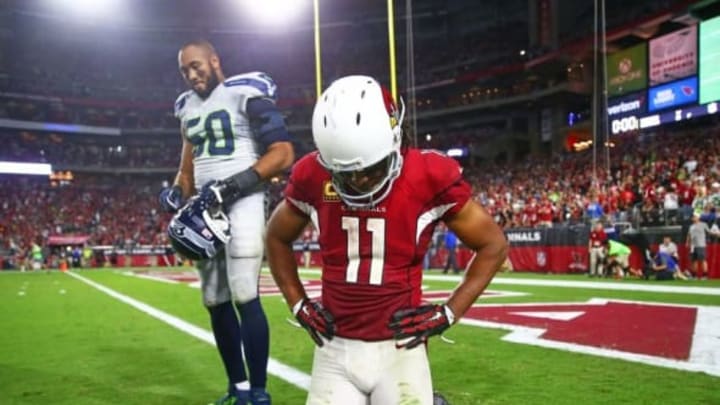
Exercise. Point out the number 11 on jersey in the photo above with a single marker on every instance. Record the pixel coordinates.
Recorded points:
(376, 226)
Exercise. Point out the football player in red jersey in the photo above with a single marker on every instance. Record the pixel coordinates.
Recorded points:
(596, 248)
(375, 204)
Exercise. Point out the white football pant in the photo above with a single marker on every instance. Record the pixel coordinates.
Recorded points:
(355, 372)
(236, 272)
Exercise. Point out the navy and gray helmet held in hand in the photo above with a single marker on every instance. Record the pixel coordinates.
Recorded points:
(198, 232)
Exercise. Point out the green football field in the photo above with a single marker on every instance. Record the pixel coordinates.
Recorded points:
(126, 337)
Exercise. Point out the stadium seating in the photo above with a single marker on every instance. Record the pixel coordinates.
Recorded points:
(94, 87)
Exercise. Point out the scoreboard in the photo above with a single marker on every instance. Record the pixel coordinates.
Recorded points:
(682, 79)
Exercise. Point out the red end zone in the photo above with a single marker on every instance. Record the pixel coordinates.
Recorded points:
(683, 337)
(656, 330)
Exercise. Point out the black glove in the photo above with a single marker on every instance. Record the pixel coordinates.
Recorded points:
(420, 323)
(210, 195)
(315, 319)
(171, 199)
(231, 189)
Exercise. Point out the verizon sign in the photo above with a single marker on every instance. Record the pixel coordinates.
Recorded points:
(632, 104)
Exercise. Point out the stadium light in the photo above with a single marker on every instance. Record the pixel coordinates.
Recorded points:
(25, 168)
(89, 10)
(274, 12)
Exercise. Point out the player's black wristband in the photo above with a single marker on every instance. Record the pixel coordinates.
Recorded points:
(239, 185)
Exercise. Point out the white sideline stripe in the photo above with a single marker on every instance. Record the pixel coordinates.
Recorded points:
(276, 368)
(593, 285)
(149, 277)
(487, 294)
(597, 285)
(315, 292)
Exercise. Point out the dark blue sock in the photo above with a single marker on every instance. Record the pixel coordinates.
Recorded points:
(256, 341)
(228, 337)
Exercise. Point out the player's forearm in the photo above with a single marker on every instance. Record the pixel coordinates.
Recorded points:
(283, 267)
(185, 177)
(185, 182)
(279, 157)
(481, 270)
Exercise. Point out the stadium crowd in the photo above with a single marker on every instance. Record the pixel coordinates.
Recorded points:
(91, 86)
(86, 152)
(653, 180)
(121, 212)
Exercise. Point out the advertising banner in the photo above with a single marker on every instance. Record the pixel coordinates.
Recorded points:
(67, 239)
(673, 56)
(558, 250)
(710, 60)
(627, 70)
(673, 94)
(632, 104)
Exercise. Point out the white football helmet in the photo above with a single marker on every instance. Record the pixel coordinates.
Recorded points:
(357, 130)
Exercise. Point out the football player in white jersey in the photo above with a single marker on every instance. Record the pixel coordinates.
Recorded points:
(234, 138)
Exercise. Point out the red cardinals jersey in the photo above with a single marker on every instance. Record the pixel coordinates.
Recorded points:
(372, 258)
(597, 239)
(545, 213)
(530, 215)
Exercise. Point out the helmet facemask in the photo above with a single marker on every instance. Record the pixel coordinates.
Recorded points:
(365, 188)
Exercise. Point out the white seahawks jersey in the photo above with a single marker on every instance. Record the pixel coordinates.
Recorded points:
(219, 128)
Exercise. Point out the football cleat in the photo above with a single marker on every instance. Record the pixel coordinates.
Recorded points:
(228, 400)
(258, 396)
(438, 399)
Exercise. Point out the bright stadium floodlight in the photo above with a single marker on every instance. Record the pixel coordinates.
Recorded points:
(43, 169)
(274, 12)
(89, 10)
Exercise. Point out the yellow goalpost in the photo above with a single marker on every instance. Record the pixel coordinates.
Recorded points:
(391, 47)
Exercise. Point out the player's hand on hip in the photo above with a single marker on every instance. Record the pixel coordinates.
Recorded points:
(171, 199)
(315, 319)
(414, 326)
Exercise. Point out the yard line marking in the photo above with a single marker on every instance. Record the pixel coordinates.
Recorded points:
(594, 285)
(705, 340)
(149, 277)
(276, 368)
(599, 285)
(312, 288)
